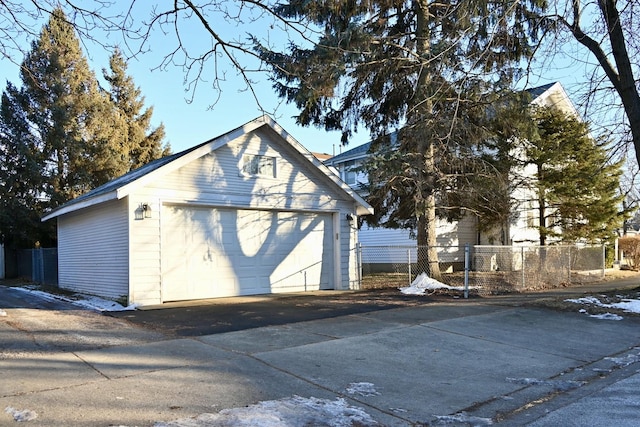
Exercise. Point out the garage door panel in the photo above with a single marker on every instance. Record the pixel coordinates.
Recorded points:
(210, 253)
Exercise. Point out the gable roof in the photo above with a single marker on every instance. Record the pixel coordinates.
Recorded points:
(124, 185)
(551, 95)
(537, 91)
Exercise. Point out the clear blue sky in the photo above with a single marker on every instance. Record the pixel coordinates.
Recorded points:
(188, 124)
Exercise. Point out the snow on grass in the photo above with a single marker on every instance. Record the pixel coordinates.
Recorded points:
(627, 305)
(85, 301)
(2, 313)
(291, 411)
(424, 283)
(21, 415)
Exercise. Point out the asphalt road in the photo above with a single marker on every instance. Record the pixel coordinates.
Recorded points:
(11, 298)
(429, 361)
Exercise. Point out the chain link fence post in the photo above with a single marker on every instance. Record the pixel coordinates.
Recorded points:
(604, 260)
(409, 264)
(467, 267)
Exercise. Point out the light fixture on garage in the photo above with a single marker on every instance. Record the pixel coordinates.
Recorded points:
(146, 209)
(139, 213)
(349, 217)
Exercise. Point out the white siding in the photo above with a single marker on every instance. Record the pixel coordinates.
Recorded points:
(144, 249)
(455, 233)
(215, 181)
(93, 250)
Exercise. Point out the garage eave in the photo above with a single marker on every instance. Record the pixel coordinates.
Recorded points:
(81, 204)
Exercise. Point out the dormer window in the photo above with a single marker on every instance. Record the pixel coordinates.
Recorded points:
(258, 165)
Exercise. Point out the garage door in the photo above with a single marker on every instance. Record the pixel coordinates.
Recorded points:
(209, 253)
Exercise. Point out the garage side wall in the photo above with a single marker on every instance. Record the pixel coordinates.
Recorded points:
(93, 250)
(144, 221)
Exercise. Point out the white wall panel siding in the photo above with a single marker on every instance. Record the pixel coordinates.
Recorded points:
(448, 234)
(210, 252)
(214, 231)
(93, 250)
(145, 249)
(215, 178)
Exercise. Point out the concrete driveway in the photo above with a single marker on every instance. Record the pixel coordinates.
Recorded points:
(430, 362)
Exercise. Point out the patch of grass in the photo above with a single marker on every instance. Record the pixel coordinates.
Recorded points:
(609, 297)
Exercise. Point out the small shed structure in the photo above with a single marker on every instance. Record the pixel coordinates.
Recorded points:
(249, 212)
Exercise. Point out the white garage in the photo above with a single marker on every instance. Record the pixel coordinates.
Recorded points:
(249, 212)
(213, 252)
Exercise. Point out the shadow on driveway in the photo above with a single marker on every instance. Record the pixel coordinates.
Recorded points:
(207, 317)
(214, 316)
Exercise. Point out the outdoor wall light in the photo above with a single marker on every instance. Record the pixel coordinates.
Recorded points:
(146, 209)
(349, 217)
(142, 211)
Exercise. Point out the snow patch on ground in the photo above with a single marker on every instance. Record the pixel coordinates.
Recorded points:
(21, 415)
(626, 360)
(85, 301)
(626, 304)
(362, 389)
(463, 418)
(287, 412)
(2, 313)
(607, 316)
(424, 283)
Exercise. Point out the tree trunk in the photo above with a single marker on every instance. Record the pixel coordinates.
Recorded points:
(621, 76)
(419, 110)
(542, 220)
(542, 205)
(427, 244)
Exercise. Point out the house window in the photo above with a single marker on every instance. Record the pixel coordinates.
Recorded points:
(531, 215)
(349, 173)
(258, 165)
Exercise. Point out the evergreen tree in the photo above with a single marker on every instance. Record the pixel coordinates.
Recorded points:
(141, 143)
(416, 67)
(62, 135)
(76, 123)
(21, 180)
(576, 187)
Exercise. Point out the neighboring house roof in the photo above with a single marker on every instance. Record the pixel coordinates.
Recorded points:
(551, 94)
(537, 91)
(321, 156)
(123, 186)
(355, 153)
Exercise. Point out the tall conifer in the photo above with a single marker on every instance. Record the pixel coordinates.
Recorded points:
(430, 71)
(72, 117)
(576, 186)
(141, 143)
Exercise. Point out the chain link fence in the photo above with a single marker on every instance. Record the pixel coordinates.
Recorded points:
(483, 269)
